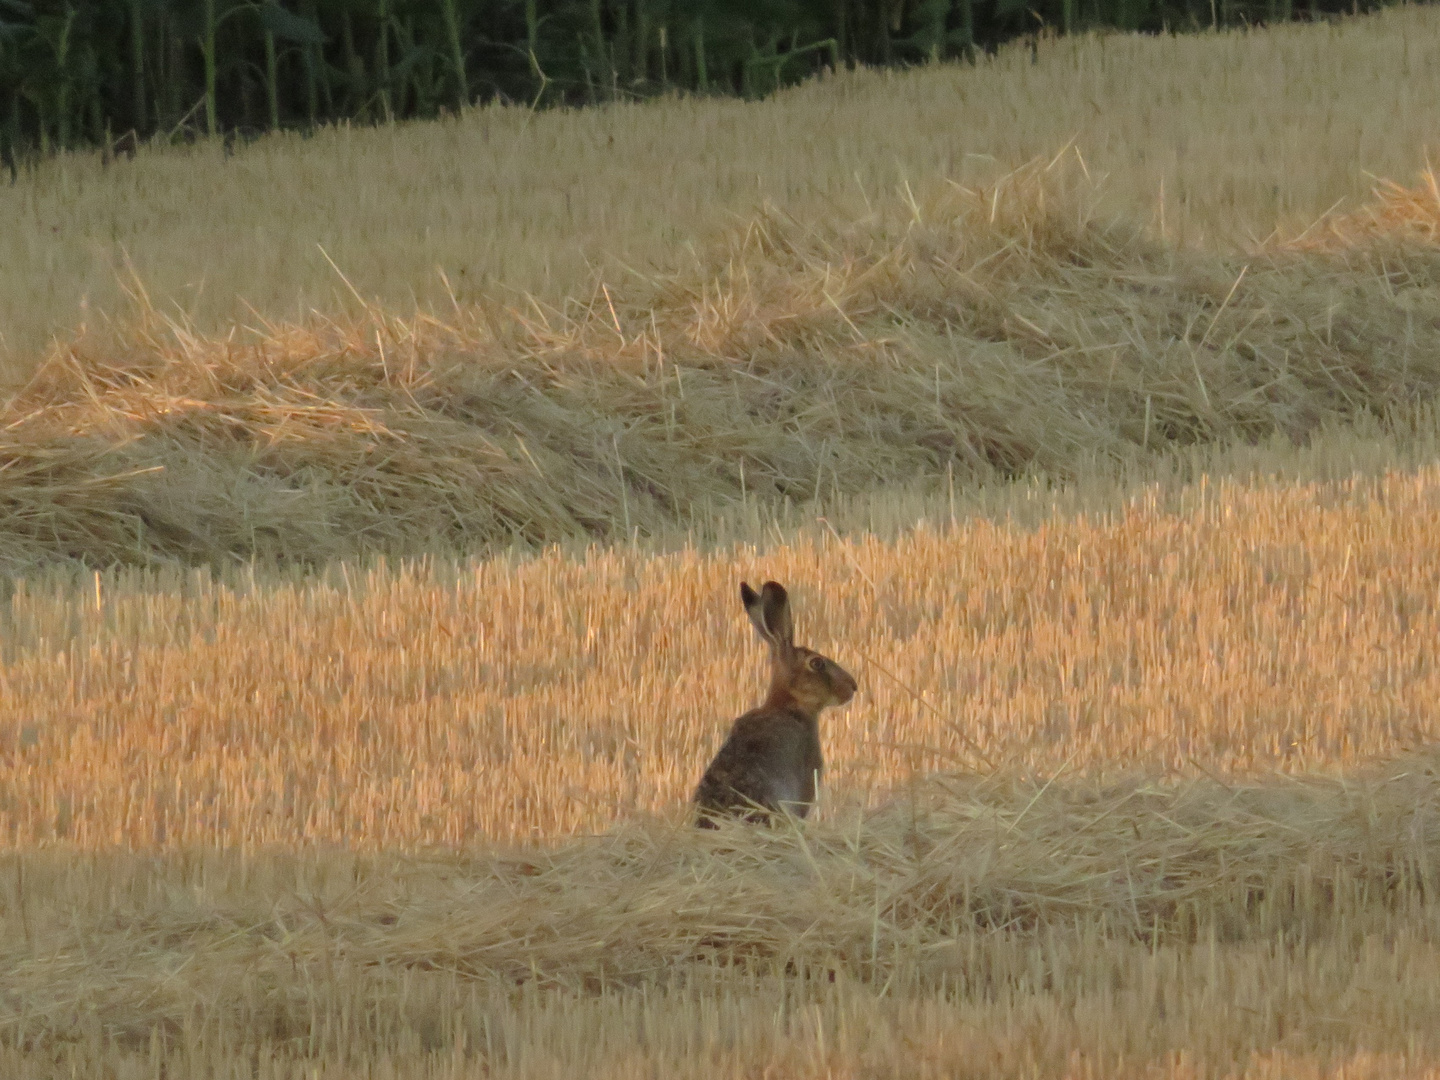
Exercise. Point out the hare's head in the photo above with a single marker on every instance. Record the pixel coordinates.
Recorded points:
(801, 675)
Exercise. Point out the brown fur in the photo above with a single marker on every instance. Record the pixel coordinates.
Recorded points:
(771, 760)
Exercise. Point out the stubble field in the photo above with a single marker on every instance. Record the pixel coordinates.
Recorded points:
(1215, 140)
(367, 754)
(1147, 792)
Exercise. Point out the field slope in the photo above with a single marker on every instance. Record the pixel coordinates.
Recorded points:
(1143, 793)
(1209, 139)
(355, 669)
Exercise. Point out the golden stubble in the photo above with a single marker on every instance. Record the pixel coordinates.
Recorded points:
(1108, 805)
(1228, 628)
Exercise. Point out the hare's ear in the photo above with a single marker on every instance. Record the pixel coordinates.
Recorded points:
(770, 612)
(775, 602)
(754, 608)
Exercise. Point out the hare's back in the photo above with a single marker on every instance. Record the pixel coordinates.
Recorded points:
(769, 758)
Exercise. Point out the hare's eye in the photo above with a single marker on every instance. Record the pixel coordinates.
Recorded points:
(817, 663)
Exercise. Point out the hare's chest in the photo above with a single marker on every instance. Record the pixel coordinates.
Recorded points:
(803, 759)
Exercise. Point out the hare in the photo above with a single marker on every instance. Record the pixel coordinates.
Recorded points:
(771, 760)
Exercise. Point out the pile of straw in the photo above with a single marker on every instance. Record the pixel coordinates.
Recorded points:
(955, 334)
(948, 884)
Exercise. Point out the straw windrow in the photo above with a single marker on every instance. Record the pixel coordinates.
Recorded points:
(970, 334)
(979, 900)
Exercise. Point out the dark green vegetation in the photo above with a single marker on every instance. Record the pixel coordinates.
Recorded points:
(107, 72)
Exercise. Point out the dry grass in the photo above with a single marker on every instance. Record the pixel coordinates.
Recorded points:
(1209, 139)
(956, 337)
(986, 928)
(1236, 626)
(328, 826)
(263, 825)
(1142, 779)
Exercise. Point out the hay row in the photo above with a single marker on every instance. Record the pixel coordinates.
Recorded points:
(1000, 904)
(967, 335)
